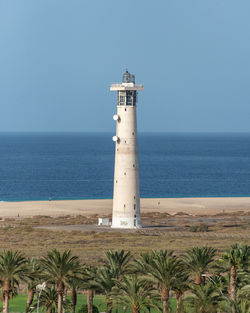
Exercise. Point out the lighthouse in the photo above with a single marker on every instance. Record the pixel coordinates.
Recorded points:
(126, 195)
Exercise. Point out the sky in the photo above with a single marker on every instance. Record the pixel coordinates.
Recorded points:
(58, 58)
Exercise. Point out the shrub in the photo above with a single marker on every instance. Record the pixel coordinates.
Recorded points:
(199, 228)
(84, 309)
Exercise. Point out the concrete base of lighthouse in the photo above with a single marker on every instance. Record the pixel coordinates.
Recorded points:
(125, 223)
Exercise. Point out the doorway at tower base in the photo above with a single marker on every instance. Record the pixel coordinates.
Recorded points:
(125, 223)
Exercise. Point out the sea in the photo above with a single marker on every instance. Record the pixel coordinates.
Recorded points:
(42, 166)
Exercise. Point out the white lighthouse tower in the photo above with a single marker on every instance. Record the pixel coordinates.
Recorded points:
(126, 197)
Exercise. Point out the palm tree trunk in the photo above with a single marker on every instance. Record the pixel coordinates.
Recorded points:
(60, 294)
(135, 309)
(65, 291)
(59, 305)
(109, 307)
(178, 302)
(73, 299)
(30, 298)
(6, 303)
(90, 301)
(164, 299)
(6, 295)
(198, 279)
(232, 287)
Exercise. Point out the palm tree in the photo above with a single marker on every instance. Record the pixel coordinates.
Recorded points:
(236, 262)
(33, 276)
(117, 264)
(198, 261)
(204, 298)
(236, 259)
(48, 300)
(180, 285)
(89, 283)
(105, 280)
(74, 285)
(134, 293)
(242, 304)
(59, 269)
(12, 270)
(163, 269)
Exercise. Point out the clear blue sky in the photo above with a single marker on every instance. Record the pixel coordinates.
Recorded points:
(58, 57)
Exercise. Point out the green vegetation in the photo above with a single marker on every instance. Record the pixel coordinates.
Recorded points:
(84, 309)
(18, 303)
(198, 281)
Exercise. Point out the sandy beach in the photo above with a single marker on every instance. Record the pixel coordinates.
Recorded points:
(192, 206)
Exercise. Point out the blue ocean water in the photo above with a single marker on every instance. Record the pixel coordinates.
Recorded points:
(80, 166)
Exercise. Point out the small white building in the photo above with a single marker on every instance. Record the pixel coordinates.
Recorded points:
(103, 221)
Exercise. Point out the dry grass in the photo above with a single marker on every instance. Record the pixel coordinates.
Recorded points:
(165, 232)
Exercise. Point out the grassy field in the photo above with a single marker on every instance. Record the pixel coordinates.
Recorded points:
(165, 232)
(18, 303)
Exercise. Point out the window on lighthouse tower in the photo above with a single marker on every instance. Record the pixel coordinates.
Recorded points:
(129, 98)
(122, 98)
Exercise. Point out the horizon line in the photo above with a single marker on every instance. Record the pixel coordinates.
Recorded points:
(110, 132)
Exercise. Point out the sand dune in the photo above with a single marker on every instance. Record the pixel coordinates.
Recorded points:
(194, 206)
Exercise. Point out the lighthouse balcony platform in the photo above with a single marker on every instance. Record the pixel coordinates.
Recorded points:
(125, 86)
